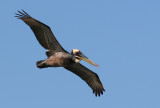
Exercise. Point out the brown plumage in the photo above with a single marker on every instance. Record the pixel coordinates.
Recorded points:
(88, 76)
(58, 57)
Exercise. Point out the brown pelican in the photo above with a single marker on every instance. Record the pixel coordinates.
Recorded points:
(58, 57)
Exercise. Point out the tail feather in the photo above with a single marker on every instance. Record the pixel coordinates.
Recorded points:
(41, 64)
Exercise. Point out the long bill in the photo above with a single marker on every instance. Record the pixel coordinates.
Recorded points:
(84, 58)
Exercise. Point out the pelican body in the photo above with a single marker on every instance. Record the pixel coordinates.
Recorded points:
(58, 57)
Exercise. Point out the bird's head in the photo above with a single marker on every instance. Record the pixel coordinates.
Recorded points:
(80, 56)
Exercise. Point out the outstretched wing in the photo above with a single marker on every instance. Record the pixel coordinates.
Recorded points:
(88, 76)
(42, 32)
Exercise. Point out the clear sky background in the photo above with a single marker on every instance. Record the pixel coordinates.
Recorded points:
(121, 36)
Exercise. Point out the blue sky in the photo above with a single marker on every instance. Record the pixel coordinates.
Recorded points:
(121, 36)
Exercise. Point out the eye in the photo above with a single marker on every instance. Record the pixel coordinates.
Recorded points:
(77, 53)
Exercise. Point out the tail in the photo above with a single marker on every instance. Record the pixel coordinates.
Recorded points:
(41, 64)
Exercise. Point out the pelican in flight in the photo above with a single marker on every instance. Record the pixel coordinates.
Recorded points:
(59, 57)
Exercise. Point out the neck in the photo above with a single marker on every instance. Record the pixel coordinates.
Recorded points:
(76, 60)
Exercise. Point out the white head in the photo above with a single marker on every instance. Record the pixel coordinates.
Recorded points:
(80, 56)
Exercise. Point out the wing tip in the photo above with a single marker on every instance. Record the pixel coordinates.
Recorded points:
(98, 92)
(22, 14)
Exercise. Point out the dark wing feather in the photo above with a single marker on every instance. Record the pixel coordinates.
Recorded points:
(88, 76)
(42, 32)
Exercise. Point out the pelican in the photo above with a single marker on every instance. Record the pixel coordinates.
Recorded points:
(58, 56)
